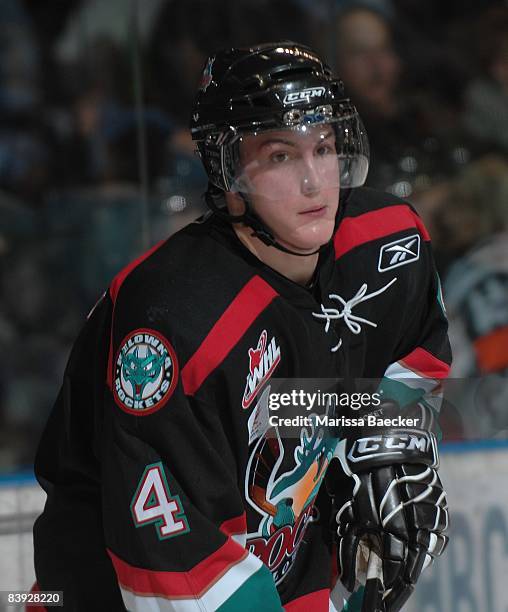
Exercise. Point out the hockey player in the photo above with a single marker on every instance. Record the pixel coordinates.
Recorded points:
(167, 487)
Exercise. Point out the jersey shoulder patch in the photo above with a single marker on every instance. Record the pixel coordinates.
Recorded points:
(145, 372)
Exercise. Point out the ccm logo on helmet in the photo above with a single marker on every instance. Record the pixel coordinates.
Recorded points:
(304, 95)
(374, 446)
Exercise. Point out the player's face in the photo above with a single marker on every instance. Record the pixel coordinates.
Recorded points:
(292, 180)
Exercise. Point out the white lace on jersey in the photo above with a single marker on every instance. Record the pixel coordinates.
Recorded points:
(354, 322)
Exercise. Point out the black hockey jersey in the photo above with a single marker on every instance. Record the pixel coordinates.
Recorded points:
(163, 493)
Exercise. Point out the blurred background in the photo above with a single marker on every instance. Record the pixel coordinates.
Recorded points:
(96, 165)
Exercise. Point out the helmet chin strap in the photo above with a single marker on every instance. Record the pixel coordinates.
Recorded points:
(258, 227)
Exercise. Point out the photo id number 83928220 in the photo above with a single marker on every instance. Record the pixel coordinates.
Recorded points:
(24, 599)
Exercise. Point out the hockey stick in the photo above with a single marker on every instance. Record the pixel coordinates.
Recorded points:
(374, 588)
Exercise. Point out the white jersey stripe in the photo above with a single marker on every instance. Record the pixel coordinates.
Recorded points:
(240, 538)
(398, 372)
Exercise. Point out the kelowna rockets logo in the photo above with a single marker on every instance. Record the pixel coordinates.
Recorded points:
(262, 362)
(145, 372)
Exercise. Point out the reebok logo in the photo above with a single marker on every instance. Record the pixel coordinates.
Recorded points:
(399, 253)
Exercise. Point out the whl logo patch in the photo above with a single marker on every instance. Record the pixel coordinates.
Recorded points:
(399, 253)
(146, 372)
(262, 362)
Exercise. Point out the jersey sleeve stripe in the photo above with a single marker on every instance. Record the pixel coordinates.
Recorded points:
(236, 528)
(257, 593)
(376, 224)
(397, 371)
(425, 364)
(235, 525)
(342, 600)
(406, 386)
(318, 600)
(180, 584)
(255, 296)
(245, 581)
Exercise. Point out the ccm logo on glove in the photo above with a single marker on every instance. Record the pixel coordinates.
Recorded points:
(418, 446)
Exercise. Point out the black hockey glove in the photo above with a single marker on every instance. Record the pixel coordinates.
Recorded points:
(396, 515)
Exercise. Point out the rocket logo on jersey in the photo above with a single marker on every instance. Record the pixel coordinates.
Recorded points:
(282, 480)
(146, 371)
(262, 362)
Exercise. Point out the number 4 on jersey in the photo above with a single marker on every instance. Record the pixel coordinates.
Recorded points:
(153, 503)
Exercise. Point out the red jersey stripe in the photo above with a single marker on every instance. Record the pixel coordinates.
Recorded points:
(123, 274)
(114, 289)
(426, 364)
(235, 525)
(193, 583)
(355, 231)
(36, 608)
(318, 601)
(255, 296)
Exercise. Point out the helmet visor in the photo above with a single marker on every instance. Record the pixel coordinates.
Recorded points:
(300, 159)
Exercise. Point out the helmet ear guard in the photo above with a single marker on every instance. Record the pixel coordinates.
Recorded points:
(220, 157)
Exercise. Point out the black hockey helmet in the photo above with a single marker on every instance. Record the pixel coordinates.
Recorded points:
(272, 86)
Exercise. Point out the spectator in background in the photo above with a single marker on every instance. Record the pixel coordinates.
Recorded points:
(185, 33)
(37, 320)
(117, 197)
(471, 225)
(95, 19)
(431, 37)
(25, 157)
(410, 148)
(19, 60)
(486, 102)
(368, 61)
(371, 67)
(107, 217)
